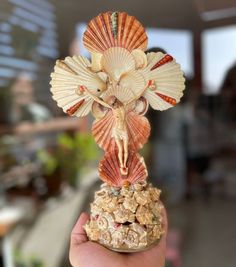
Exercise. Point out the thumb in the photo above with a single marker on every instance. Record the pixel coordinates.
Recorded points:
(78, 234)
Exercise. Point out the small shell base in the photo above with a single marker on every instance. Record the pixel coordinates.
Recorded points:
(127, 219)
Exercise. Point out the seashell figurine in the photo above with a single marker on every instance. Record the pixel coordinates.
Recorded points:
(117, 87)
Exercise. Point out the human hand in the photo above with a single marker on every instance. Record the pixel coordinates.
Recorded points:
(84, 253)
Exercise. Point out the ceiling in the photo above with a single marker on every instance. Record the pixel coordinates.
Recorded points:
(177, 14)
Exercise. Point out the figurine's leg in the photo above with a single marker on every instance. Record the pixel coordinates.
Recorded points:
(120, 151)
(124, 170)
(126, 153)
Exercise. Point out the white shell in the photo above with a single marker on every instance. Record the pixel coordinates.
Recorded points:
(68, 76)
(168, 78)
(96, 62)
(117, 61)
(123, 94)
(140, 58)
(134, 82)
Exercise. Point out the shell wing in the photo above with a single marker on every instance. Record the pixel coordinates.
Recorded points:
(68, 76)
(112, 29)
(138, 130)
(109, 169)
(102, 131)
(168, 78)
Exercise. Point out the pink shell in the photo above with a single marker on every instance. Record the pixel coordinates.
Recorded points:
(138, 129)
(109, 169)
(112, 29)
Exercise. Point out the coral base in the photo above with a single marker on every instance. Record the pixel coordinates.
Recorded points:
(126, 219)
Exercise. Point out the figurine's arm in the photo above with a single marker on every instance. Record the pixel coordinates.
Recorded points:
(95, 98)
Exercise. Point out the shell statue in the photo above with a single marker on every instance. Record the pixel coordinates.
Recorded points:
(117, 87)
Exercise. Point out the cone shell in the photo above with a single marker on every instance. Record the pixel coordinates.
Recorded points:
(112, 29)
(66, 81)
(117, 61)
(168, 79)
(137, 126)
(109, 169)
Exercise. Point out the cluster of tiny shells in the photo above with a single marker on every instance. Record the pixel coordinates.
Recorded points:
(127, 218)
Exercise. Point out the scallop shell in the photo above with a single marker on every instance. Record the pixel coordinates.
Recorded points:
(112, 29)
(168, 78)
(116, 61)
(137, 126)
(66, 81)
(109, 169)
(133, 81)
(123, 94)
(140, 58)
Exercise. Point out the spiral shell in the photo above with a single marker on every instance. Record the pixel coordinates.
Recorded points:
(109, 169)
(112, 29)
(168, 78)
(132, 239)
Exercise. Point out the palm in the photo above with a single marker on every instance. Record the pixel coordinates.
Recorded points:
(84, 253)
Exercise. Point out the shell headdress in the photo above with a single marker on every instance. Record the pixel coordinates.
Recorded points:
(117, 86)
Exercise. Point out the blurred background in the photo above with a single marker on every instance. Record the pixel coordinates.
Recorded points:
(48, 161)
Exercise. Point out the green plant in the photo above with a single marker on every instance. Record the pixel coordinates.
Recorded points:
(21, 261)
(70, 156)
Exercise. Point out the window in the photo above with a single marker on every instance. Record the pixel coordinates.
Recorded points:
(219, 54)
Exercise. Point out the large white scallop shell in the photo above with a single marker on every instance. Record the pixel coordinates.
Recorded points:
(109, 169)
(168, 78)
(112, 29)
(117, 61)
(66, 80)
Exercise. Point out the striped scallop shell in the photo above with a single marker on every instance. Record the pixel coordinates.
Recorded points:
(169, 81)
(116, 61)
(112, 29)
(109, 169)
(68, 76)
(137, 126)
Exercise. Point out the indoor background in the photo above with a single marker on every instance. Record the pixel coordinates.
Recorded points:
(48, 160)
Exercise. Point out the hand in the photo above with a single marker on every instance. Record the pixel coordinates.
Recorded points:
(84, 253)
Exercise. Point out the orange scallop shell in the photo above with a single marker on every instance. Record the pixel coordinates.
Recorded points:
(109, 169)
(137, 126)
(112, 29)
